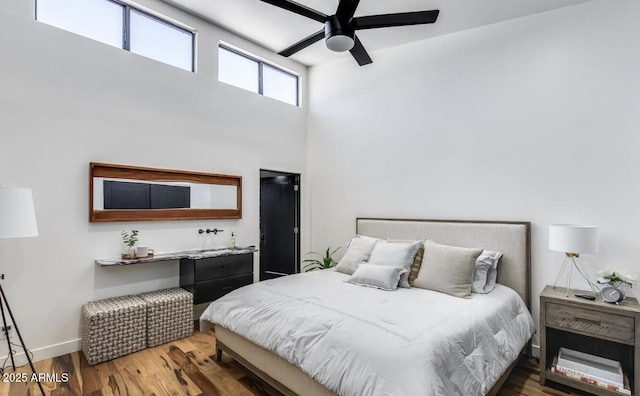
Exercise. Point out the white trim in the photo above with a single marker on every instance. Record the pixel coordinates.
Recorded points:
(46, 352)
(258, 58)
(158, 15)
(535, 351)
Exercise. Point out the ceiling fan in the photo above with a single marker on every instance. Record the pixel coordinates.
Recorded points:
(339, 29)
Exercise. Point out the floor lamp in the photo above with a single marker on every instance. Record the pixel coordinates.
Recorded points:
(573, 240)
(17, 220)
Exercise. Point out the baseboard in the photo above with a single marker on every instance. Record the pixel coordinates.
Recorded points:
(71, 346)
(46, 352)
(535, 351)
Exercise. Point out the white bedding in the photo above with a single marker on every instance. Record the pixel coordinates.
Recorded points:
(357, 340)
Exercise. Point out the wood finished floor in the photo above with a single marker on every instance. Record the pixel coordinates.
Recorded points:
(188, 367)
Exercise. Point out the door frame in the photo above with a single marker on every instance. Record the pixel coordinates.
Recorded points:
(267, 173)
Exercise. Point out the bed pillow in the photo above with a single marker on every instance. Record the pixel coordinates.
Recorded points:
(358, 250)
(399, 255)
(382, 277)
(492, 275)
(447, 269)
(415, 266)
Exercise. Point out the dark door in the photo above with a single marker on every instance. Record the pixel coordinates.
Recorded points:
(279, 224)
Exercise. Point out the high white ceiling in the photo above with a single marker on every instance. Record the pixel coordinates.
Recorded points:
(277, 29)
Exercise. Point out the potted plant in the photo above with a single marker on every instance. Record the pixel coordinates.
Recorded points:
(322, 262)
(129, 238)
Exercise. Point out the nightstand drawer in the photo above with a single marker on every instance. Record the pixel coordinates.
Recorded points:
(590, 322)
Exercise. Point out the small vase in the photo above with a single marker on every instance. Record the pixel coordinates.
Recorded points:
(128, 252)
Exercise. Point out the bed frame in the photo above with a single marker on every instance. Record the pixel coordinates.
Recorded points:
(513, 239)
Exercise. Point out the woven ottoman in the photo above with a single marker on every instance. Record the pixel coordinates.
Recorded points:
(169, 315)
(113, 327)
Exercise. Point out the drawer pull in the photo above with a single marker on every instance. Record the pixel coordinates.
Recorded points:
(588, 321)
(225, 266)
(227, 288)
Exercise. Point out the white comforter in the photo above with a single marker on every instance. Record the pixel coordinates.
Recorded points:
(357, 340)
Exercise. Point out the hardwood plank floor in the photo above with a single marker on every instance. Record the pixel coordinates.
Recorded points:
(187, 367)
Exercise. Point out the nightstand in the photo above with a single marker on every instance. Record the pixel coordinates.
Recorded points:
(594, 327)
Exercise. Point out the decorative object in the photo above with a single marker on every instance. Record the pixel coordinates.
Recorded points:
(129, 238)
(17, 220)
(323, 262)
(143, 251)
(573, 240)
(616, 277)
(611, 295)
(616, 280)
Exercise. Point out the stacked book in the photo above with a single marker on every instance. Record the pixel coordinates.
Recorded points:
(592, 369)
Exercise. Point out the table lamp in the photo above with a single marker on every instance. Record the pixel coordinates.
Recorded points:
(573, 240)
(17, 220)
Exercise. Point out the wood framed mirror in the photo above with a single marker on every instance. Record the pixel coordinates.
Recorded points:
(132, 193)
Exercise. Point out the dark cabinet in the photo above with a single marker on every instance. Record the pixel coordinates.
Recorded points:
(213, 277)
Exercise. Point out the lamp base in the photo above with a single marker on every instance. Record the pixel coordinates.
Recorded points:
(4, 303)
(571, 261)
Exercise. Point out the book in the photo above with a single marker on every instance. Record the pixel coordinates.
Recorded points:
(623, 388)
(595, 366)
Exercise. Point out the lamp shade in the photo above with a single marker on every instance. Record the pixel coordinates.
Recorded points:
(17, 215)
(573, 238)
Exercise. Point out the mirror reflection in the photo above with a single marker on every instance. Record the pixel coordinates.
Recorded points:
(125, 193)
(111, 193)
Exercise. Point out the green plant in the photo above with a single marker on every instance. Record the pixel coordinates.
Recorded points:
(130, 239)
(324, 261)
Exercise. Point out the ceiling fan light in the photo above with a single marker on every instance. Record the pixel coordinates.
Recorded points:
(340, 43)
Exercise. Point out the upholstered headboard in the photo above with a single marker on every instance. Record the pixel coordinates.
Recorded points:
(513, 239)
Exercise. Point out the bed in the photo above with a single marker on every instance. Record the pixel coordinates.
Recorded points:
(309, 334)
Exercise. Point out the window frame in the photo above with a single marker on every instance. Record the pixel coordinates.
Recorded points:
(261, 64)
(126, 29)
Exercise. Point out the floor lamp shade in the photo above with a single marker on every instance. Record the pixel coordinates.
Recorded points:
(17, 215)
(573, 238)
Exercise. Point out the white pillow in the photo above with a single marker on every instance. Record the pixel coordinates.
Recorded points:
(485, 272)
(358, 250)
(492, 275)
(378, 276)
(399, 255)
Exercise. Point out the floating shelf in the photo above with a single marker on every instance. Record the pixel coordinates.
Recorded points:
(168, 256)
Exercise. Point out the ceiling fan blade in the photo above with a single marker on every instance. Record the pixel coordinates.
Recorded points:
(298, 9)
(302, 44)
(346, 9)
(359, 53)
(399, 19)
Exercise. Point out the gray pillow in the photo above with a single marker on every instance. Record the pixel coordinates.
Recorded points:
(485, 268)
(447, 269)
(382, 277)
(399, 255)
(359, 250)
(492, 275)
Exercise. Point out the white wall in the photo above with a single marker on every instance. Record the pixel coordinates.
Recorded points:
(534, 119)
(65, 101)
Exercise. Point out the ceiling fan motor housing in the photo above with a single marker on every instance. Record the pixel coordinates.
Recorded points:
(338, 37)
